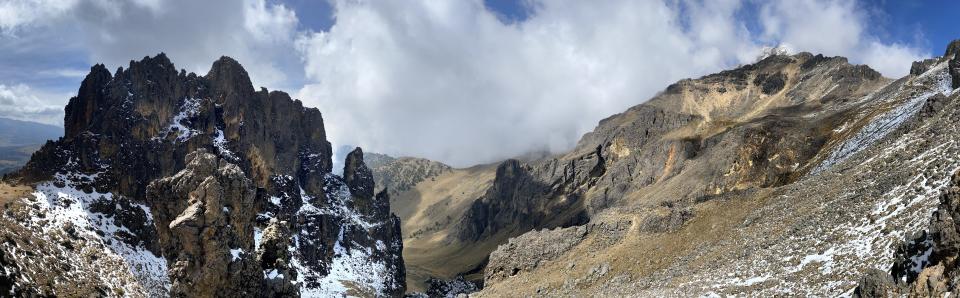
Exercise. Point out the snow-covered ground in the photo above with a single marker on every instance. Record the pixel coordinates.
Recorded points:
(352, 266)
(58, 209)
(935, 81)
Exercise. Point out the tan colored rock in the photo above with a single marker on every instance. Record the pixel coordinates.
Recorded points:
(202, 213)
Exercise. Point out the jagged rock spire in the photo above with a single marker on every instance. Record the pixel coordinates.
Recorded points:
(357, 176)
(953, 53)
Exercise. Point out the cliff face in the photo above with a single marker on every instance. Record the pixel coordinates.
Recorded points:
(738, 129)
(792, 175)
(690, 191)
(235, 184)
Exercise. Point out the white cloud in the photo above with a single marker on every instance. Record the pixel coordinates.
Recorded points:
(440, 79)
(447, 80)
(274, 23)
(194, 34)
(892, 60)
(23, 103)
(836, 28)
(15, 14)
(63, 73)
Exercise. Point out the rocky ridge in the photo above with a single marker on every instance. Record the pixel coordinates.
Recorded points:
(398, 175)
(195, 186)
(884, 156)
(715, 167)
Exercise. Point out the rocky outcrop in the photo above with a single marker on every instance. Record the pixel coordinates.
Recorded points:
(236, 184)
(524, 253)
(204, 219)
(457, 287)
(953, 53)
(733, 145)
(375, 208)
(397, 175)
(134, 125)
(770, 83)
(925, 265)
(922, 66)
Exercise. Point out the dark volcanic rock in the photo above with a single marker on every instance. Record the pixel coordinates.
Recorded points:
(770, 84)
(920, 67)
(224, 162)
(357, 176)
(450, 288)
(375, 208)
(135, 125)
(953, 53)
(876, 284)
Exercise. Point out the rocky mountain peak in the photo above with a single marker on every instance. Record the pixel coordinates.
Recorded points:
(953, 48)
(356, 174)
(953, 53)
(236, 185)
(228, 74)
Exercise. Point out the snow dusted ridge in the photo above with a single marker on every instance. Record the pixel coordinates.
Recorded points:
(937, 80)
(95, 244)
(180, 124)
(353, 266)
(819, 236)
(222, 146)
(103, 242)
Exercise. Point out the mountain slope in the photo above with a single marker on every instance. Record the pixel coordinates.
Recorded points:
(169, 183)
(652, 193)
(811, 232)
(397, 175)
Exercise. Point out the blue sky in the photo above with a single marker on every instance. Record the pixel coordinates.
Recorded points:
(458, 81)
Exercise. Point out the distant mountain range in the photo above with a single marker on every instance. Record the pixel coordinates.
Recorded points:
(19, 139)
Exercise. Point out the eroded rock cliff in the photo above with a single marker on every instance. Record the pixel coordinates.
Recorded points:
(204, 186)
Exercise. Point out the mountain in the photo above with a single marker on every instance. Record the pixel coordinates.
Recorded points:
(796, 174)
(171, 183)
(397, 175)
(19, 139)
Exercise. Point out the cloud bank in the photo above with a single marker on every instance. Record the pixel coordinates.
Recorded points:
(21, 103)
(445, 80)
(449, 81)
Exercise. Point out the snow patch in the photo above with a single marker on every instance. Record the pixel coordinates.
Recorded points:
(180, 124)
(66, 206)
(220, 143)
(939, 81)
(236, 252)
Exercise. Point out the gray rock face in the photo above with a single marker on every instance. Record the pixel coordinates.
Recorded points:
(524, 253)
(925, 265)
(227, 166)
(953, 53)
(770, 83)
(202, 214)
(457, 287)
(876, 284)
(397, 175)
(920, 67)
(647, 146)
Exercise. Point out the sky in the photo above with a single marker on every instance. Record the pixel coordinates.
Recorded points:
(459, 81)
